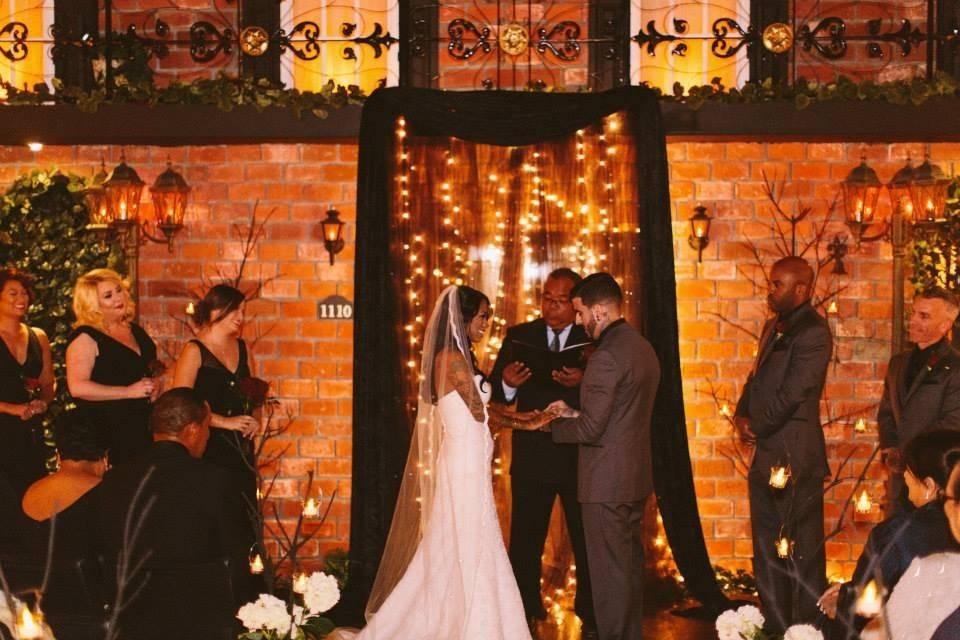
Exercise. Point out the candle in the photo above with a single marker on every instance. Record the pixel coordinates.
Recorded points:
(869, 604)
(864, 504)
(300, 583)
(784, 547)
(725, 410)
(27, 627)
(123, 209)
(190, 309)
(169, 219)
(860, 426)
(833, 307)
(310, 508)
(256, 565)
(779, 477)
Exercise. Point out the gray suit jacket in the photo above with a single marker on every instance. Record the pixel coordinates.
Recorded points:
(782, 396)
(932, 402)
(613, 429)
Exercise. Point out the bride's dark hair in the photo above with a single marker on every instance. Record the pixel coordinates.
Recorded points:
(469, 300)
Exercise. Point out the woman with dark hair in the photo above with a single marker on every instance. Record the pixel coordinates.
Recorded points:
(444, 574)
(111, 363)
(215, 363)
(894, 543)
(26, 385)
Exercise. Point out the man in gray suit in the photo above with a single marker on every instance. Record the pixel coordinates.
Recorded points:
(921, 390)
(612, 430)
(779, 412)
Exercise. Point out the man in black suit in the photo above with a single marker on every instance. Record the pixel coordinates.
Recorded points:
(612, 431)
(170, 518)
(921, 390)
(541, 470)
(779, 412)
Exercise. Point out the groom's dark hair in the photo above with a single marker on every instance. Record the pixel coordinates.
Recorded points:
(598, 288)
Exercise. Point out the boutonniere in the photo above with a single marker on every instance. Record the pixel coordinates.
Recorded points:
(932, 362)
(780, 328)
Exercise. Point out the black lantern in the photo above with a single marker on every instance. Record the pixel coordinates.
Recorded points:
(332, 227)
(899, 187)
(169, 193)
(699, 231)
(928, 193)
(96, 199)
(861, 190)
(122, 190)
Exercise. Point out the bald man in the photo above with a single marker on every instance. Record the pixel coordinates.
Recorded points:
(921, 390)
(779, 413)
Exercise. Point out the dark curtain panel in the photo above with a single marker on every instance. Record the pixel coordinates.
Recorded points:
(381, 417)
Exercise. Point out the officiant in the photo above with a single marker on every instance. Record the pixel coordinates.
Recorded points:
(540, 362)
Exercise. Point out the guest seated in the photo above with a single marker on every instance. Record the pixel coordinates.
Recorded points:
(925, 605)
(897, 541)
(174, 515)
(65, 503)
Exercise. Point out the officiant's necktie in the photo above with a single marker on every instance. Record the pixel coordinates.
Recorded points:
(555, 343)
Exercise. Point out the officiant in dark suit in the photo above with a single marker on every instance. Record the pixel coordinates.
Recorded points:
(779, 412)
(541, 471)
(921, 390)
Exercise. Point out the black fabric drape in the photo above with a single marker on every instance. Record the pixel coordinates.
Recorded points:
(380, 429)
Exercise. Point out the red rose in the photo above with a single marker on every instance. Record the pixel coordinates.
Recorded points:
(782, 327)
(932, 362)
(31, 384)
(255, 391)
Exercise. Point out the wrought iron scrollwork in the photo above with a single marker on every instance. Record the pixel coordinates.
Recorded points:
(651, 38)
(457, 47)
(207, 42)
(568, 49)
(303, 41)
(378, 40)
(906, 38)
(16, 34)
(721, 45)
(835, 45)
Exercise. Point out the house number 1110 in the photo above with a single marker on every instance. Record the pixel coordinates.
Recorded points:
(335, 308)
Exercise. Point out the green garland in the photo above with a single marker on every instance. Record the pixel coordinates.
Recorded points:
(936, 253)
(42, 221)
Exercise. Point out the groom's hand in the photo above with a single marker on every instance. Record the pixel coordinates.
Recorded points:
(569, 377)
(561, 409)
(516, 374)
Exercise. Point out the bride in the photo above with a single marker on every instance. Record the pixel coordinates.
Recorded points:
(445, 574)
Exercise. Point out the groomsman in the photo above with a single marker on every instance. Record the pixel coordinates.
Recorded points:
(540, 470)
(921, 390)
(779, 412)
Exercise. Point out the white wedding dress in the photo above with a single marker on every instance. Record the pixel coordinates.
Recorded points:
(924, 597)
(459, 584)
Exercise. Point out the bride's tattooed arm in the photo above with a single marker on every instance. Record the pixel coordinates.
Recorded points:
(458, 377)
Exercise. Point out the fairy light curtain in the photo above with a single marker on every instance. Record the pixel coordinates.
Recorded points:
(494, 189)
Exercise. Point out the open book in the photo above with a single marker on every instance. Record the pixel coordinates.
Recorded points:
(542, 362)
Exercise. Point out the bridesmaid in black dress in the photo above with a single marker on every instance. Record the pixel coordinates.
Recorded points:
(26, 385)
(215, 363)
(110, 364)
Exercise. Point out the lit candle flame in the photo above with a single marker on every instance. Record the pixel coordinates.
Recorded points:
(256, 565)
(869, 604)
(191, 309)
(310, 508)
(725, 410)
(784, 547)
(27, 627)
(860, 426)
(779, 477)
(300, 583)
(864, 504)
(833, 307)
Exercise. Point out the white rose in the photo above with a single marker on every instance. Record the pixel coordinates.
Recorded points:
(802, 632)
(728, 625)
(752, 618)
(321, 593)
(269, 613)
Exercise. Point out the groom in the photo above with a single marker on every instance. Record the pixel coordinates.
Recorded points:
(613, 431)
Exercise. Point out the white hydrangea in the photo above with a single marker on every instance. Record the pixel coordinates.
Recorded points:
(802, 632)
(752, 618)
(321, 593)
(728, 625)
(269, 613)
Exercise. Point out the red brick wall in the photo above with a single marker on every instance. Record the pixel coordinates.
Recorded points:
(310, 360)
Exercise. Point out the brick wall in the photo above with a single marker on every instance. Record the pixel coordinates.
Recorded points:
(310, 360)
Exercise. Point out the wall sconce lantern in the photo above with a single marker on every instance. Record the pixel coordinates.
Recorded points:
(96, 199)
(332, 227)
(928, 194)
(699, 231)
(123, 189)
(861, 190)
(169, 193)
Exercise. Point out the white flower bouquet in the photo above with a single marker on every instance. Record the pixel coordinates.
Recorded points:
(270, 618)
(746, 623)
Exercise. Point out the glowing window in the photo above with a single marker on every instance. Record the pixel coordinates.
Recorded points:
(23, 31)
